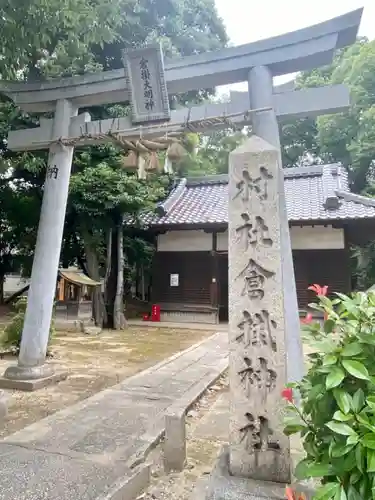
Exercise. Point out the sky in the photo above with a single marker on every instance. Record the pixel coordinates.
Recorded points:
(249, 20)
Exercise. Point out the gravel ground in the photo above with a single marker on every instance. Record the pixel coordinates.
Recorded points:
(94, 363)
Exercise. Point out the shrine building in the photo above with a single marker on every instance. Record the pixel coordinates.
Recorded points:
(190, 269)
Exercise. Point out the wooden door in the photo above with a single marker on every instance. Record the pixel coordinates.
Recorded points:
(223, 288)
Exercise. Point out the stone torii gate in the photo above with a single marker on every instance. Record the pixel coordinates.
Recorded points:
(256, 63)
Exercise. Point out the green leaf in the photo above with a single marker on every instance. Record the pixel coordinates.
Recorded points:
(310, 447)
(356, 369)
(340, 428)
(341, 494)
(353, 493)
(327, 491)
(293, 429)
(352, 350)
(329, 325)
(360, 458)
(326, 346)
(301, 470)
(349, 463)
(341, 417)
(355, 477)
(339, 450)
(352, 440)
(316, 391)
(335, 377)
(364, 486)
(329, 359)
(318, 470)
(324, 369)
(363, 420)
(358, 401)
(368, 441)
(343, 400)
(371, 402)
(370, 461)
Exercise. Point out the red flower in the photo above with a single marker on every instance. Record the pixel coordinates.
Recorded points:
(307, 319)
(287, 394)
(319, 290)
(289, 493)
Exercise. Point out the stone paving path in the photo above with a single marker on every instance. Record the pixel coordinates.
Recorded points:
(79, 453)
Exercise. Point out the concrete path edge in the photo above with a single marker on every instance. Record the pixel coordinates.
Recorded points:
(181, 406)
(131, 487)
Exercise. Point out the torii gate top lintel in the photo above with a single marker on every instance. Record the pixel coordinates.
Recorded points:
(300, 50)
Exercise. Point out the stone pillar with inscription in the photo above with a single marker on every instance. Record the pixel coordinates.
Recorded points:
(265, 126)
(258, 447)
(42, 290)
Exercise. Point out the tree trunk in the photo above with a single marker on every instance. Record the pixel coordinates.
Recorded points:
(143, 294)
(17, 294)
(111, 278)
(108, 266)
(92, 263)
(119, 321)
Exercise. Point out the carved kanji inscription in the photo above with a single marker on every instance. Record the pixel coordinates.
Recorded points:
(256, 434)
(254, 277)
(253, 231)
(257, 375)
(257, 325)
(248, 184)
(52, 172)
(257, 330)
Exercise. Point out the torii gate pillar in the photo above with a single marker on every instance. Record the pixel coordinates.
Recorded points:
(31, 362)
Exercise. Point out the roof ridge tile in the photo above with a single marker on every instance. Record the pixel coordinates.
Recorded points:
(165, 206)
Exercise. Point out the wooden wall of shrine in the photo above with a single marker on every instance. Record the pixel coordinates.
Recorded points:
(197, 280)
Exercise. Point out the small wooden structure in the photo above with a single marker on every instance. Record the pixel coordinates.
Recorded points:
(73, 295)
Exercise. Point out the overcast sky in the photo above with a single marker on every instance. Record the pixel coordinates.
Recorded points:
(249, 20)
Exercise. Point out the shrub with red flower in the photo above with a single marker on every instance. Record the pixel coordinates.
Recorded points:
(334, 403)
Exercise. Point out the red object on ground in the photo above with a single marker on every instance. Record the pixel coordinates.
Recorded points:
(155, 313)
(146, 317)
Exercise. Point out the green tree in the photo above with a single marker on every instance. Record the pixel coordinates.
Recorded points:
(40, 40)
(185, 27)
(347, 138)
(44, 38)
(18, 218)
(209, 154)
(103, 196)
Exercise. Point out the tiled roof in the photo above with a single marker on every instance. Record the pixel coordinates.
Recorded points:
(315, 193)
